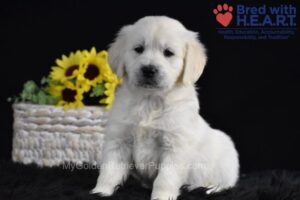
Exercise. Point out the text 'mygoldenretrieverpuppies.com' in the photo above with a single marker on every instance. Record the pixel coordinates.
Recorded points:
(154, 124)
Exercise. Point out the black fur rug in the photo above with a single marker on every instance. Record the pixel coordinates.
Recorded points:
(20, 182)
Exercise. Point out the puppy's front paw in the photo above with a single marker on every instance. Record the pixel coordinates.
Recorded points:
(102, 191)
(164, 196)
(213, 189)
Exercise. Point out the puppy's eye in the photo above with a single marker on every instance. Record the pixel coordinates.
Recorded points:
(168, 53)
(139, 49)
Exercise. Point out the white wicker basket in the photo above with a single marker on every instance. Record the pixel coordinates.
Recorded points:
(50, 135)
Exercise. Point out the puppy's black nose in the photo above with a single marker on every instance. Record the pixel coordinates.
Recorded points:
(149, 71)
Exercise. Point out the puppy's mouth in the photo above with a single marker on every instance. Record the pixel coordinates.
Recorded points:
(148, 84)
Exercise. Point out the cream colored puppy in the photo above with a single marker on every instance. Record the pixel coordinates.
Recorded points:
(154, 127)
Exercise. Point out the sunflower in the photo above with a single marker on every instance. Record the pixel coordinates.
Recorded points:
(69, 95)
(67, 68)
(76, 75)
(94, 67)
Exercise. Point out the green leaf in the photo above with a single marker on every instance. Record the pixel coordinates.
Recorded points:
(52, 100)
(98, 90)
(33, 99)
(42, 97)
(30, 87)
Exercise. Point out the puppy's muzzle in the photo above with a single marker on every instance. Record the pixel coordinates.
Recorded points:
(148, 76)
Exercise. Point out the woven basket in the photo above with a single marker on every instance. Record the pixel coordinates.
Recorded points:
(50, 135)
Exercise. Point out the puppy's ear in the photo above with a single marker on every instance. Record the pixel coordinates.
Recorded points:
(116, 52)
(194, 61)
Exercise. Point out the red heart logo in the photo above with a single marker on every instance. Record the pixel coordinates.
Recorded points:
(224, 19)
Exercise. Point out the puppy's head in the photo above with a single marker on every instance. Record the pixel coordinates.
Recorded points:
(157, 53)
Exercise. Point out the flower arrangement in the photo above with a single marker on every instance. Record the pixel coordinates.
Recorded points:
(82, 78)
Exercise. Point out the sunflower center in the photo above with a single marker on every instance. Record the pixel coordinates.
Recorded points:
(68, 95)
(91, 72)
(70, 70)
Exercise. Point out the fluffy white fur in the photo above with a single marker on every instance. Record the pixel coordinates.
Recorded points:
(158, 129)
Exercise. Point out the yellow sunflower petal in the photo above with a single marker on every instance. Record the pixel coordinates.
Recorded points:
(57, 73)
(102, 54)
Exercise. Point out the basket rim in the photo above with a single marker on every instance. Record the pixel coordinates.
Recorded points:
(32, 105)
